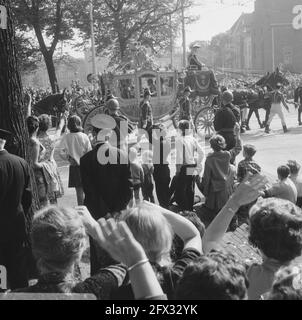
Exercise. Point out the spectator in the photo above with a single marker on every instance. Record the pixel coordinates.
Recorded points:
(275, 229)
(162, 174)
(137, 176)
(284, 188)
(148, 168)
(187, 166)
(294, 168)
(58, 238)
(217, 184)
(74, 146)
(216, 276)
(106, 178)
(15, 202)
(153, 228)
(248, 165)
(287, 284)
(225, 120)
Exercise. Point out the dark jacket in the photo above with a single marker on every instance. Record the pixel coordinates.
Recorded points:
(225, 119)
(298, 95)
(15, 197)
(107, 187)
(185, 109)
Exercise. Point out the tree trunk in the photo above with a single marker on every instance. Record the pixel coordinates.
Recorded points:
(12, 107)
(48, 57)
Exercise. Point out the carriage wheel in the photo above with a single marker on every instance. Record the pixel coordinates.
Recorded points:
(204, 122)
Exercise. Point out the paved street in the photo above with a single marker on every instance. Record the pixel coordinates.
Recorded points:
(273, 149)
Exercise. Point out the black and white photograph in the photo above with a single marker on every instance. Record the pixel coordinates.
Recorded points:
(150, 151)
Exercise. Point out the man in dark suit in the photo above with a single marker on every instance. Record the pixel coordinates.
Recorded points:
(106, 178)
(15, 201)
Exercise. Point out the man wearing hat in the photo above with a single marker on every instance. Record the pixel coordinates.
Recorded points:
(277, 99)
(298, 102)
(146, 112)
(15, 201)
(123, 127)
(106, 177)
(193, 59)
(185, 111)
(226, 120)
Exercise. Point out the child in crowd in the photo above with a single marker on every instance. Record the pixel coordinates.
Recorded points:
(248, 165)
(75, 145)
(245, 167)
(294, 168)
(284, 188)
(137, 176)
(148, 186)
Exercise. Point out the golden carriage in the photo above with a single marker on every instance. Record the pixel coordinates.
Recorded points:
(166, 88)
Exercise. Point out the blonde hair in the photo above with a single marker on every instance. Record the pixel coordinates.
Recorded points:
(152, 230)
(58, 238)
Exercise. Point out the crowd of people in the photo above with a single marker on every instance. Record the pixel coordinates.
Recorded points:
(146, 239)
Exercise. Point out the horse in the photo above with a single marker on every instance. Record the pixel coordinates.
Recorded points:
(54, 105)
(255, 97)
(270, 80)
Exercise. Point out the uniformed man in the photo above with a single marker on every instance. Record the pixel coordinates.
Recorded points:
(277, 99)
(226, 119)
(15, 201)
(106, 179)
(185, 108)
(146, 112)
(123, 126)
(193, 58)
(298, 102)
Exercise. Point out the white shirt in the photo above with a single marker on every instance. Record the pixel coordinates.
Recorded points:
(186, 149)
(75, 145)
(298, 183)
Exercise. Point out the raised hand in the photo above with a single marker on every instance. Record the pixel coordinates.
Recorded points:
(249, 190)
(119, 242)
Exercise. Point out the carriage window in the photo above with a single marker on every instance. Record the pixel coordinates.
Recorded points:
(166, 85)
(148, 82)
(127, 88)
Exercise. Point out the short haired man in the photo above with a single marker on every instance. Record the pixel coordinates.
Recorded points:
(284, 188)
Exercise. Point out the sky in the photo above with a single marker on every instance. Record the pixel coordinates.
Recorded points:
(215, 16)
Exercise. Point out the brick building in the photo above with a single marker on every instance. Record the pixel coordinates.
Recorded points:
(269, 37)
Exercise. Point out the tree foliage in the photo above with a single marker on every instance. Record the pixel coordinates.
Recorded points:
(120, 22)
(51, 22)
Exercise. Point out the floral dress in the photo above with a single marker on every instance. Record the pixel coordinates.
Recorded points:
(48, 181)
(50, 170)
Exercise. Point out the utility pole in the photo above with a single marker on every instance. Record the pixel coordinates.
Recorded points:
(94, 69)
(184, 45)
(171, 43)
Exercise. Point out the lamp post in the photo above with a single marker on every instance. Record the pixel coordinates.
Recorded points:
(171, 41)
(94, 69)
(273, 26)
(184, 45)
